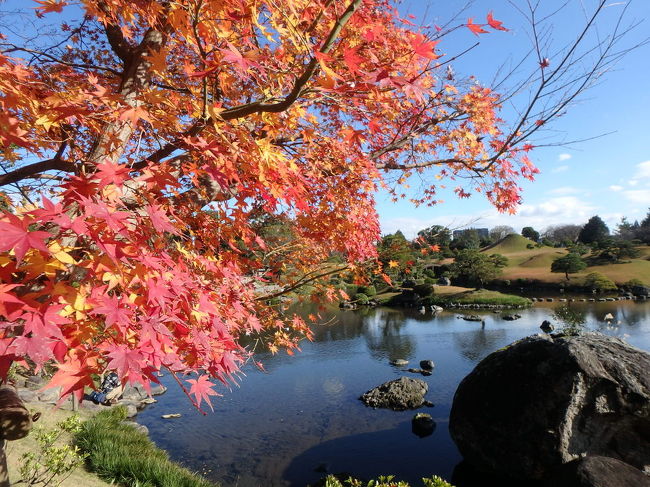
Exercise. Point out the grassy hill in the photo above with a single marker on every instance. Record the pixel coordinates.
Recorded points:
(535, 263)
(509, 244)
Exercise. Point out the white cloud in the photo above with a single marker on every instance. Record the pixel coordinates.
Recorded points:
(560, 169)
(616, 187)
(632, 182)
(643, 170)
(638, 196)
(564, 157)
(554, 211)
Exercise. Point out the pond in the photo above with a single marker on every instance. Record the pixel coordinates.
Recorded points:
(301, 419)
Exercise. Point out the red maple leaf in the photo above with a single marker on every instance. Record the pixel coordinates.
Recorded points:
(114, 313)
(73, 375)
(15, 305)
(233, 56)
(495, 24)
(475, 28)
(422, 46)
(160, 220)
(111, 173)
(202, 390)
(14, 234)
(545, 63)
(35, 347)
(127, 363)
(352, 60)
(51, 212)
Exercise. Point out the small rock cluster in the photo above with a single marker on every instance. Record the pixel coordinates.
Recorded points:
(398, 395)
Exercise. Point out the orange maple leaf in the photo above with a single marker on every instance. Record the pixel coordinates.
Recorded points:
(495, 24)
(475, 28)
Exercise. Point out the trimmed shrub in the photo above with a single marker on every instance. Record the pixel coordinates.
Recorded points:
(367, 290)
(423, 290)
(409, 283)
(361, 298)
(633, 283)
(597, 281)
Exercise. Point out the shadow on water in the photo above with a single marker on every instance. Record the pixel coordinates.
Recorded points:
(396, 451)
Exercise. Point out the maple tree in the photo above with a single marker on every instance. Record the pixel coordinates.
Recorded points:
(146, 149)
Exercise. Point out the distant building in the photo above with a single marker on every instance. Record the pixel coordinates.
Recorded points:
(481, 232)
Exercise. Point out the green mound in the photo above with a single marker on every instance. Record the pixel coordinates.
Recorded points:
(509, 244)
(540, 260)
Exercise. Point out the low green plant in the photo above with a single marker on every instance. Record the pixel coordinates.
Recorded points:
(598, 281)
(120, 454)
(55, 459)
(573, 320)
(351, 290)
(633, 283)
(361, 298)
(384, 481)
(367, 290)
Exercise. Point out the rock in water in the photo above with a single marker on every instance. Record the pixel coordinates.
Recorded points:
(422, 425)
(594, 471)
(399, 362)
(547, 327)
(542, 402)
(398, 395)
(427, 364)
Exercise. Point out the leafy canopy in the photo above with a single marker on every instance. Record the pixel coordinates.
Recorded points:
(149, 147)
(569, 264)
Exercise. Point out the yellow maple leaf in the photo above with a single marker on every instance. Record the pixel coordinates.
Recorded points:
(393, 263)
(60, 254)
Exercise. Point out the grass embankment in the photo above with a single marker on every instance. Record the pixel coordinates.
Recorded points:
(120, 454)
(444, 295)
(534, 264)
(480, 297)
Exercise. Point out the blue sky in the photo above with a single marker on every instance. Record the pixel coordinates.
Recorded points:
(608, 176)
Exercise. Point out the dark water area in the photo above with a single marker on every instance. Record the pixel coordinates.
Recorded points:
(301, 419)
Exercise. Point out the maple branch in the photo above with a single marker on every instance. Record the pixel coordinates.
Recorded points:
(38, 54)
(261, 106)
(119, 44)
(30, 170)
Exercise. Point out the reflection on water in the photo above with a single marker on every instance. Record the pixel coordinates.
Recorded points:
(302, 418)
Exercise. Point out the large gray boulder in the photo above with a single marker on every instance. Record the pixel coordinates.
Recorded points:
(399, 394)
(545, 401)
(594, 471)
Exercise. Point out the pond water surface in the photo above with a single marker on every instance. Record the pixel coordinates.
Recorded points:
(302, 418)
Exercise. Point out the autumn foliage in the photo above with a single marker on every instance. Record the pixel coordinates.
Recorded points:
(144, 153)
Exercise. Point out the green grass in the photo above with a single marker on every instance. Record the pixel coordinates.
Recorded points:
(118, 453)
(481, 297)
